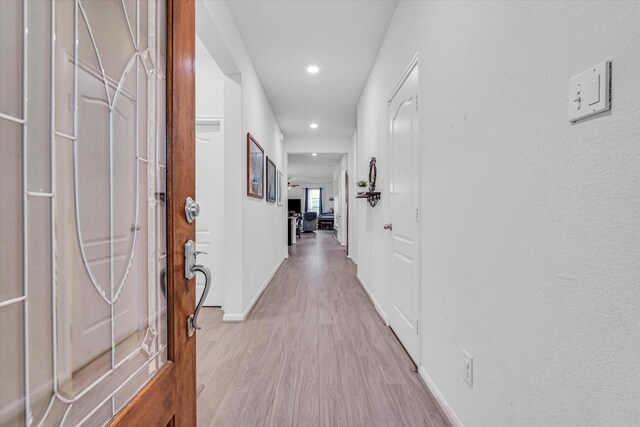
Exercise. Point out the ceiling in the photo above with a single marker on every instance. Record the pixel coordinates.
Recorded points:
(340, 37)
(309, 169)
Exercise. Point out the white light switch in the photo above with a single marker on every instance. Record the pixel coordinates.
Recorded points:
(589, 92)
(592, 91)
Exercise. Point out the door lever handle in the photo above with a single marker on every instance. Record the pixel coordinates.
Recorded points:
(192, 320)
(388, 226)
(190, 270)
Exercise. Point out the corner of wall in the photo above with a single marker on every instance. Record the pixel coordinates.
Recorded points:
(242, 315)
(443, 407)
(373, 299)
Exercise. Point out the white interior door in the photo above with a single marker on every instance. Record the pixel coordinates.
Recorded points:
(209, 194)
(403, 185)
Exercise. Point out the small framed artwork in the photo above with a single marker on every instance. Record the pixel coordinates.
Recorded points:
(271, 181)
(280, 188)
(255, 168)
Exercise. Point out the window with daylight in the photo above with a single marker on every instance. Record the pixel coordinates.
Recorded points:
(314, 200)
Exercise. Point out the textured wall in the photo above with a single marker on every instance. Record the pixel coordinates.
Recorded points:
(261, 233)
(209, 84)
(530, 225)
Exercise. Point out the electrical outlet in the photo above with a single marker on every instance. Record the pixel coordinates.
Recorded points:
(467, 368)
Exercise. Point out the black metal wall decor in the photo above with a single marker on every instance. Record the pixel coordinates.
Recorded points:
(372, 195)
(373, 174)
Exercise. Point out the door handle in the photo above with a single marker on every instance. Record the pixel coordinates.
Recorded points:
(163, 282)
(388, 226)
(190, 270)
(192, 320)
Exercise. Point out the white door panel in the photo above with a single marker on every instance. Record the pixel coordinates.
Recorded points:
(209, 195)
(403, 192)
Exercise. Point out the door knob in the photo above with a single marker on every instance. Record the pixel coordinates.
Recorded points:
(388, 226)
(191, 210)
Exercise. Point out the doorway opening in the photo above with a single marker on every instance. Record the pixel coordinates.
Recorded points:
(317, 193)
(218, 128)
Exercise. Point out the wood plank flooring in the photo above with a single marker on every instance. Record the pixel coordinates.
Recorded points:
(313, 352)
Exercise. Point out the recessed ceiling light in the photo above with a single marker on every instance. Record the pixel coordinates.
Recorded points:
(313, 125)
(312, 69)
(314, 154)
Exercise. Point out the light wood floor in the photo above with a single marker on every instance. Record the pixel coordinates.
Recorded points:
(313, 352)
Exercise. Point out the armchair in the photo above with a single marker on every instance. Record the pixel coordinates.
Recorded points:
(309, 222)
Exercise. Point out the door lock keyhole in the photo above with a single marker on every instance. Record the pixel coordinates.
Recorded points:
(191, 210)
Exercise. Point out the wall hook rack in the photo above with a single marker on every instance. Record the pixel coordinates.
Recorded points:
(372, 195)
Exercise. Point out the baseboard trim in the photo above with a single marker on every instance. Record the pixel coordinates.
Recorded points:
(373, 299)
(443, 407)
(233, 317)
(241, 317)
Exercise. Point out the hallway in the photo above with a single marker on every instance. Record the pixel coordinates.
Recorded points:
(313, 352)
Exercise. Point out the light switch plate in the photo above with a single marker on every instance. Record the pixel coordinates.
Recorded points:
(589, 92)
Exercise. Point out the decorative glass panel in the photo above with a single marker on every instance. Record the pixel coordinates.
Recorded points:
(83, 318)
(11, 66)
(11, 194)
(12, 355)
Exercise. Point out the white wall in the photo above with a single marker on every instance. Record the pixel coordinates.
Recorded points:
(234, 188)
(530, 226)
(210, 174)
(261, 230)
(339, 202)
(209, 84)
(352, 168)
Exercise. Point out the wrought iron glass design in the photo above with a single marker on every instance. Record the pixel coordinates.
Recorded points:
(82, 219)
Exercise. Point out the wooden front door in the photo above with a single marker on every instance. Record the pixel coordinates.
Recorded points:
(97, 158)
(171, 396)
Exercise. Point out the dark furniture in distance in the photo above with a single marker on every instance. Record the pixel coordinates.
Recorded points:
(325, 220)
(309, 222)
(295, 205)
(289, 236)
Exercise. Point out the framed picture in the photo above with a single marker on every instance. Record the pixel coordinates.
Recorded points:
(271, 181)
(280, 188)
(255, 168)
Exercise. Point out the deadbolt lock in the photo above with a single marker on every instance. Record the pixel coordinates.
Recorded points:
(191, 210)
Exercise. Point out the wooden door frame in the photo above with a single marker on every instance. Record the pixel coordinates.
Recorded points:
(346, 208)
(170, 396)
